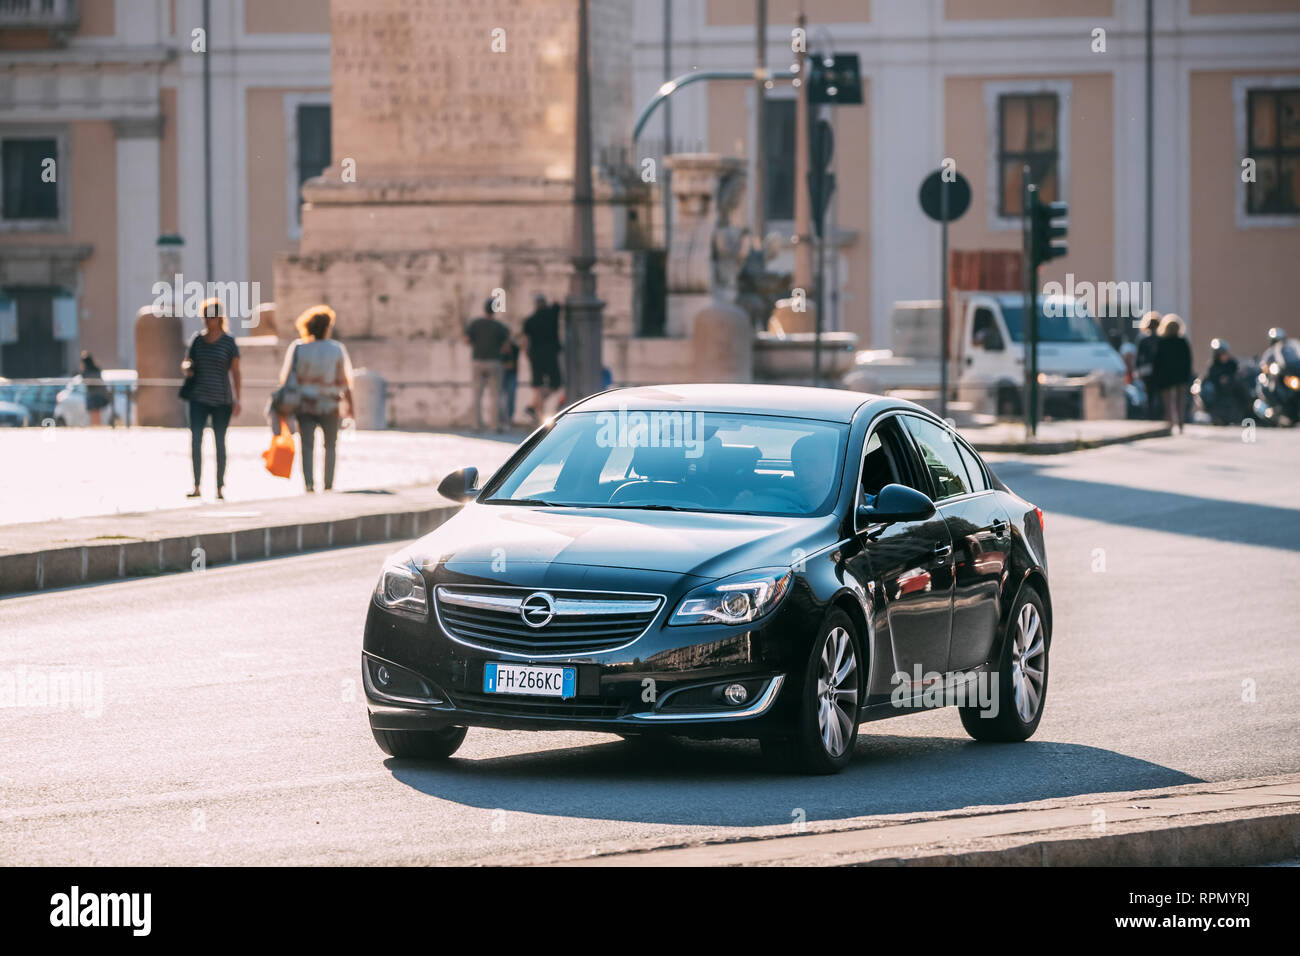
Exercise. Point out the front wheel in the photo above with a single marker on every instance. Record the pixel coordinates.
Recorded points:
(420, 744)
(826, 726)
(1021, 679)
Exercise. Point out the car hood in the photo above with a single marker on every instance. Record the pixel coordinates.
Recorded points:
(695, 543)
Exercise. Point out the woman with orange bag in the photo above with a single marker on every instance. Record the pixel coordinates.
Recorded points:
(323, 373)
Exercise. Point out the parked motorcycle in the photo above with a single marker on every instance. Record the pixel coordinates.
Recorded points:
(1277, 384)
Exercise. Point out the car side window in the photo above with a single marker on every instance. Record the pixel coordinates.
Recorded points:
(888, 459)
(939, 449)
(973, 469)
(877, 469)
(984, 330)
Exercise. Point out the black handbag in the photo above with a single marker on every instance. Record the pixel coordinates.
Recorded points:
(286, 399)
(187, 387)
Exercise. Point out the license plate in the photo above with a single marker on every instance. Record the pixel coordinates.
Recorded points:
(530, 679)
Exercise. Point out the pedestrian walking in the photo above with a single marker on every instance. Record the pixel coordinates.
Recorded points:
(212, 387)
(1173, 368)
(542, 342)
(322, 371)
(97, 397)
(509, 381)
(487, 337)
(1145, 362)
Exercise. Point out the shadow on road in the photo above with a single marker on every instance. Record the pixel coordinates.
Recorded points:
(1232, 522)
(727, 784)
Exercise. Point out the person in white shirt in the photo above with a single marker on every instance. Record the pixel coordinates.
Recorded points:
(323, 373)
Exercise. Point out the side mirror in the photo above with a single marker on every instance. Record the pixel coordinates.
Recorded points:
(897, 503)
(460, 485)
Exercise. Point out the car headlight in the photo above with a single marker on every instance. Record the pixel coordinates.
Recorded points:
(738, 599)
(1292, 382)
(401, 590)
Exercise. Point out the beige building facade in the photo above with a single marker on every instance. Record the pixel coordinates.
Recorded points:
(118, 93)
(990, 84)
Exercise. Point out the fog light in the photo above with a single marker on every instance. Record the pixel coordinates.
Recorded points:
(382, 677)
(736, 694)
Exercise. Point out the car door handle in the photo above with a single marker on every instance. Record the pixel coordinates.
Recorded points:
(942, 551)
(998, 526)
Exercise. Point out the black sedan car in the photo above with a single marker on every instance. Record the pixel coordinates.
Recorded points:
(715, 561)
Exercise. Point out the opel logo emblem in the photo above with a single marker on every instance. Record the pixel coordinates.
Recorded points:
(537, 609)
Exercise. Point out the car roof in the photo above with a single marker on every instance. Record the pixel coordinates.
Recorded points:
(794, 401)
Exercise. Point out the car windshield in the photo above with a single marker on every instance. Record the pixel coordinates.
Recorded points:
(1058, 321)
(680, 460)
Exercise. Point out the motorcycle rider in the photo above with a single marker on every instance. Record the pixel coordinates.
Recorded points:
(1220, 388)
(1276, 345)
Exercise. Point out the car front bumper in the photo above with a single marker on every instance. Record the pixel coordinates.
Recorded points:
(667, 681)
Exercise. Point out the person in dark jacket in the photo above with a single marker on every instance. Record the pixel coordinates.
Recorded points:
(1221, 390)
(97, 397)
(1145, 360)
(542, 341)
(1173, 368)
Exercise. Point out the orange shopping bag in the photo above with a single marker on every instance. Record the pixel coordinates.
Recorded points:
(279, 457)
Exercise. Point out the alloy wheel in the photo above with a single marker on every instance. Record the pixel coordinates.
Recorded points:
(1027, 660)
(837, 692)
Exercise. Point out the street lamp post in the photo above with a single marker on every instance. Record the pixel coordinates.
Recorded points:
(583, 310)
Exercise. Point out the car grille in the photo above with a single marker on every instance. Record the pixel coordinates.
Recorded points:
(599, 709)
(580, 621)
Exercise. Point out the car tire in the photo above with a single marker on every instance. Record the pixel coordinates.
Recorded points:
(420, 744)
(826, 722)
(1021, 696)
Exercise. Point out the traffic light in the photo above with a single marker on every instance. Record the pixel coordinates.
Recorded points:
(834, 79)
(1049, 222)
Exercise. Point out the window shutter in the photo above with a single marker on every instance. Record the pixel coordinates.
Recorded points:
(65, 318)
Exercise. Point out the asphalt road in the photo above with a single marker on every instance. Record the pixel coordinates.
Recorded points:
(233, 729)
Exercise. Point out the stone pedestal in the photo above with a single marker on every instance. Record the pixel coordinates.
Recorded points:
(452, 177)
(723, 344)
(159, 350)
(370, 395)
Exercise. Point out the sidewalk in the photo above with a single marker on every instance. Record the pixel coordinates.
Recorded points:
(86, 505)
(1056, 437)
(49, 475)
(1204, 824)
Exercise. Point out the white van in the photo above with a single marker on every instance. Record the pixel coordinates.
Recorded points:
(988, 354)
(1071, 348)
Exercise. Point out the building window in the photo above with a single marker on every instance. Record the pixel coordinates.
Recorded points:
(778, 151)
(313, 144)
(308, 150)
(1027, 134)
(28, 175)
(1273, 142)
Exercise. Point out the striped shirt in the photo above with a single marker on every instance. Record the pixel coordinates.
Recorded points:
(212, 369)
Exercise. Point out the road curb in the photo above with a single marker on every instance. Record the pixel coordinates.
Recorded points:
(1059, 446)
(97, 563)
(1236, 824)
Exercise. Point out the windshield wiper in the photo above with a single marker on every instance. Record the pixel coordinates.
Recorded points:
(649, 507)
(535, 502)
